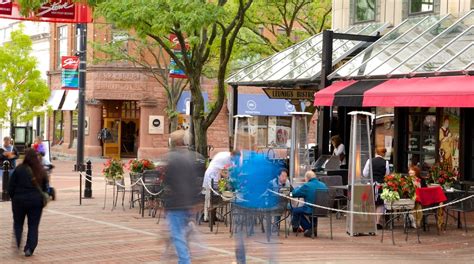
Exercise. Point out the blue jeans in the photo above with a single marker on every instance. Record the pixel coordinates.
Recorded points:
(178, 226)
(298, 217)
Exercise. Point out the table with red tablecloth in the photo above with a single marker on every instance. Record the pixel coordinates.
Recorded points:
(430, 196)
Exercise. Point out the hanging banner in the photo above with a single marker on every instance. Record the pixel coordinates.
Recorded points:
(70, 72)
(6, 7)
(57, 11)
(175, 71)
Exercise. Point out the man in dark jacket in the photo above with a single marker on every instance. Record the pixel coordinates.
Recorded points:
(9, 153)
(182, 192)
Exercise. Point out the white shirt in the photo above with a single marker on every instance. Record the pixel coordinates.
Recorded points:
(366, 170)
(340, 150)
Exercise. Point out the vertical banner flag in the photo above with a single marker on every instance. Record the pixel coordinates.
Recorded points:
(175, 71)
(6, 7)
(70, 72)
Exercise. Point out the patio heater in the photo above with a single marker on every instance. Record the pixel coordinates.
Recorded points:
(361, 194)
(243, 139)
(299, 152)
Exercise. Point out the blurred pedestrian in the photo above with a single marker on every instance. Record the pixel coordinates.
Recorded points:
(25, 188)
(182, 192)
(38, 146)
(252, 199)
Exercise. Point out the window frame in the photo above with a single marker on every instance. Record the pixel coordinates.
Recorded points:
(59, 45)
(410, 13)
(356, 21)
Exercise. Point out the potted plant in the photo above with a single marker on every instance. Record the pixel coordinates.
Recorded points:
(443, 174)
(398, 191)
(139, 166)
(113, 170)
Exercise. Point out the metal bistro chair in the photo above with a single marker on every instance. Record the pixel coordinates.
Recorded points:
(461, 207)
(323, 198)
(282, 211)
(338, 194)
(150, 179)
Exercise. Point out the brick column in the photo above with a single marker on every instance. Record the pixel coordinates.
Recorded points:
(151, 146)
(92, 146)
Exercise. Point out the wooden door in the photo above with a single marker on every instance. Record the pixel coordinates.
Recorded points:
(112, 142)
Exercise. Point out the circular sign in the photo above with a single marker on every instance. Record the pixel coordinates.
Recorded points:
(251, 104)
(289, 107)
(156, 122)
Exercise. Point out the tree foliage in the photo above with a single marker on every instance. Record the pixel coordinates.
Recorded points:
(23, 89)
(274, 25)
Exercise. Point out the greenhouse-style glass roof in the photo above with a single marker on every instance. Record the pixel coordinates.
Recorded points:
(421, 45)
(300, 62)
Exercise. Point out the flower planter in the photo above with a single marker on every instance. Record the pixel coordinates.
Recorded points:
(400, 204)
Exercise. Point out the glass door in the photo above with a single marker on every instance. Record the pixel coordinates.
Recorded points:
(112, 137)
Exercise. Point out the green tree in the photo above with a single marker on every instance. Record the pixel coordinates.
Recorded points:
(23, 90)
(209, 27)
(145, 54)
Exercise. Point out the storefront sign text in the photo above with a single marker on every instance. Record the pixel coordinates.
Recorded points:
(290, 94)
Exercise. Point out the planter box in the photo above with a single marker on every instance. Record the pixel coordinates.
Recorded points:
(402, 204)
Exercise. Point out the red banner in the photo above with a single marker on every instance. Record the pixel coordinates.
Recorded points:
(6, 7)
(70, 62)
(56, 11)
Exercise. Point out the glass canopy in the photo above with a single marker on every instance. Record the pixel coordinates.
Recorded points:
(430, 44)
(301, 61)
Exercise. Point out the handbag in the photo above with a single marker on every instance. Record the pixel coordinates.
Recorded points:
(45, 195)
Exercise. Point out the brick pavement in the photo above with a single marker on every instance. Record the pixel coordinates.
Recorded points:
(70, 233)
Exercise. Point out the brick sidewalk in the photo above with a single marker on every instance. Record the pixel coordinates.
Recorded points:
(70, 233)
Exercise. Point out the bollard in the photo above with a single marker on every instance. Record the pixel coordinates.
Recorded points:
(88, 188)
(5, 179)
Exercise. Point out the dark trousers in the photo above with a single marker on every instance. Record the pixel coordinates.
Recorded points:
(299, 218)
(32, 208)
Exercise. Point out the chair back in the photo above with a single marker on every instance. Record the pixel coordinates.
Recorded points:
(467, 205)
(323, 198)
(333, 180)
(150, 176)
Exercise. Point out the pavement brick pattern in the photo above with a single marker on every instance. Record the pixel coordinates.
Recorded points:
(70, 233)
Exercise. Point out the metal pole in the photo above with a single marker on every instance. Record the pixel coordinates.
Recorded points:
(82, 34)
(5, 179)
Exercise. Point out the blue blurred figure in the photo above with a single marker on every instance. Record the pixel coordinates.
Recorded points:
(251, 186)
(182, 192)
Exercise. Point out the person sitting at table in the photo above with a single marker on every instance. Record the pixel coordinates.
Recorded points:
(380, 169)
(281, 181)
(308, 192)
(414, 171)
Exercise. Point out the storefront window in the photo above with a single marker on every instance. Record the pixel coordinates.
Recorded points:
(422, 136)
(364, 10)
(58, 128)
(384, 129)
(74, 125)
(420, 6)
(269, 131)
(62, 45)
(449, 137)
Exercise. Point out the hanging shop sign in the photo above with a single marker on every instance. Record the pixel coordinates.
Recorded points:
(290, 94)
(70, 72)
(6, 7)
(57, 11)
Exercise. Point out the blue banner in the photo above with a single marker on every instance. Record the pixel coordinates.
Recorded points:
(185, 98)
(261, 105)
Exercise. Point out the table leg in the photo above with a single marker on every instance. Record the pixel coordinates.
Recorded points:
(143, 201)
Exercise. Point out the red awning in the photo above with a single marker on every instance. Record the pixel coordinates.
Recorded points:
(450, 91)
(325, 97)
